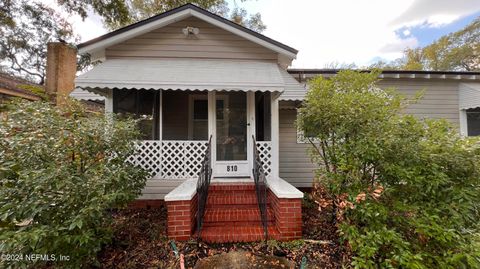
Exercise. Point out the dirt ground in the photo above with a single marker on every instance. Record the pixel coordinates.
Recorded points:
(140, 241)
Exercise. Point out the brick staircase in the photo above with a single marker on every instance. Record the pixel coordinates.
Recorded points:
(232, 215)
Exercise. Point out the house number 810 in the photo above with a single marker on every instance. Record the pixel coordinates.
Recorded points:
(232, 168)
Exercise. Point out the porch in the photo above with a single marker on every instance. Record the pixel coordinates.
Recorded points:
(216, 126)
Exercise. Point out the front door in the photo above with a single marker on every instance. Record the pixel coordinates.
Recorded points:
(232, 130)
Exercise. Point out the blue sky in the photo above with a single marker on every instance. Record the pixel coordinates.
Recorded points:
(426, 35)
(344, 31)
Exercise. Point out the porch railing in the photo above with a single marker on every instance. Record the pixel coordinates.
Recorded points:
(170, 159)
(260, 186)
(203, 183)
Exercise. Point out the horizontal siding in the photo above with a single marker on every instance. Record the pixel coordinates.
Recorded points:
(158, 188)
(211, 42)
(295, 164)
(440, 98)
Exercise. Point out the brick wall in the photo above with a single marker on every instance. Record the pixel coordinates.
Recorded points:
(288, 216)
(181, 218)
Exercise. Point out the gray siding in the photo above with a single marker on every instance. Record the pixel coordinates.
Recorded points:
(440, 99)
(211, 42)
(295, 164)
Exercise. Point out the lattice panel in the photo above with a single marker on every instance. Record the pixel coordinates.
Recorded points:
(265, 152)
(182, 159)
(148, 156)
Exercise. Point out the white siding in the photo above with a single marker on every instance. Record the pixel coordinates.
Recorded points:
(211, 42)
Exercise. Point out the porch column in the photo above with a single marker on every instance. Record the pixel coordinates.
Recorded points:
(275, 135)
(251, 127)
(160, 131)
(211, 127)
(109, 101)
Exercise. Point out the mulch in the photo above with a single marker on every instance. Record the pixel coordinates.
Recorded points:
(140, 241)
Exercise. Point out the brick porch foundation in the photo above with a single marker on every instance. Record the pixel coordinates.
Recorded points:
(288, 216)
(182, 217)
(232, 214)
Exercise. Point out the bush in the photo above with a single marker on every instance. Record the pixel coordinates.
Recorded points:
(406, 191)
(61, 169)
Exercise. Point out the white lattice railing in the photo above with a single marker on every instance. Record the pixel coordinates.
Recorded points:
(170, 159)
(265, 152)
(182, 159)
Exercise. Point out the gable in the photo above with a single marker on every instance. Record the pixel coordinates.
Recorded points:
(211, 42)
(97, 46)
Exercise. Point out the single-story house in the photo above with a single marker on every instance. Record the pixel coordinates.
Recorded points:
(219, 108)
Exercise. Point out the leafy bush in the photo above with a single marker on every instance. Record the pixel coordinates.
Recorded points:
(406, 191)
(61, 169)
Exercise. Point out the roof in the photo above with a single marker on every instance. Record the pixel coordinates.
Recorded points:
(467, 75)
(15, 86)
(173, 15)
(188, 74)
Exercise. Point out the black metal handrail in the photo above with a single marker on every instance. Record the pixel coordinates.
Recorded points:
(260, 186)
(203, 183)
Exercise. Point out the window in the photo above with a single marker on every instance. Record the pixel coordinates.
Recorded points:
(473, 121)
(302, 138)
(142, 105)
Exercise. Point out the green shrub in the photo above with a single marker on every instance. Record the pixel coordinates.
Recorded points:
(61, 169)
(406, 191)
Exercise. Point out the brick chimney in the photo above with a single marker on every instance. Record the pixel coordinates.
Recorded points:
(61, 70)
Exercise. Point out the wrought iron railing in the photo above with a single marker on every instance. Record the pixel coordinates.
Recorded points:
(260, 187)
(203, 183)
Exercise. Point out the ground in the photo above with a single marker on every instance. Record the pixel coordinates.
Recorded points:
(140, 241)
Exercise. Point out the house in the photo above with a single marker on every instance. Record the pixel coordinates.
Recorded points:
(14, 87)
(218, 109)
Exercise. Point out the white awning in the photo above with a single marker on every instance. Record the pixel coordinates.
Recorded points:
(469, 95)
(186, 74)
(81, 94)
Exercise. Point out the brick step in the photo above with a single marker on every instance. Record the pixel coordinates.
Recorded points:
(245, 213)
(233, 233)
(231, 199)
(232, 187)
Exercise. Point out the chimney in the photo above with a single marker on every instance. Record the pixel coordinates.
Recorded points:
(61, 70)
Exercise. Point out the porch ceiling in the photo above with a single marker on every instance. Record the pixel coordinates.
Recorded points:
(185, 74)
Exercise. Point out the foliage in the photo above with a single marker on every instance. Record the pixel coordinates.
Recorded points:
(26, 27)
(140, 10)
(61, 170)
(456, 51)
(406, 191)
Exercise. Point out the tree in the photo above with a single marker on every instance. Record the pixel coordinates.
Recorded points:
(456, 51)
(26, 28)
(61, 170)
(139, 10)
(405, 192)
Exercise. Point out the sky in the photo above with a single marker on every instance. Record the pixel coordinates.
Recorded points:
(344, 31)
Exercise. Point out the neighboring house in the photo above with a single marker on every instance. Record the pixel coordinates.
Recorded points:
(195, 77)
(14, 87)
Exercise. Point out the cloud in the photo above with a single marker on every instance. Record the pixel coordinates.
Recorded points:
(341, 31)
(436, 13)
(400, 45)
